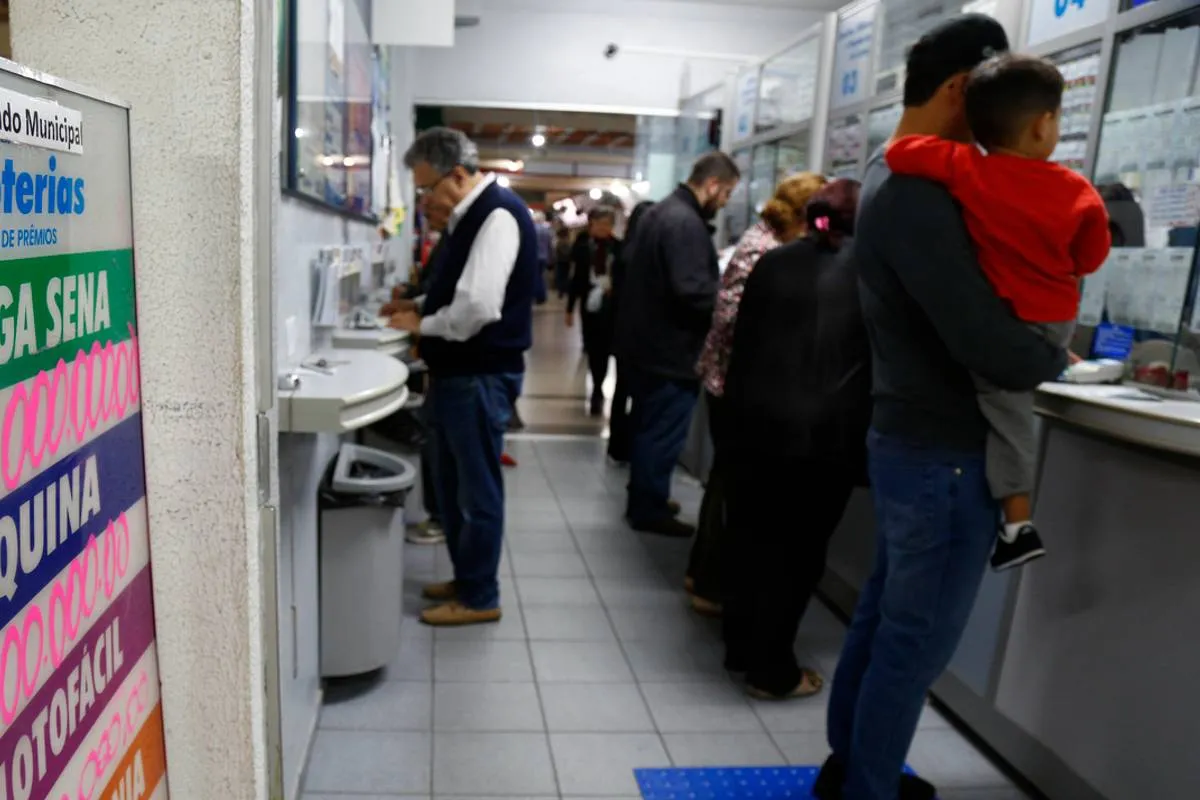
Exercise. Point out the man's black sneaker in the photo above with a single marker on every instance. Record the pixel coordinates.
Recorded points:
(1022, 548)
(668, 526)
(828, 785)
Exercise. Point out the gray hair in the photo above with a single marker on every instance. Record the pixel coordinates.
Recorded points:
(443, 149)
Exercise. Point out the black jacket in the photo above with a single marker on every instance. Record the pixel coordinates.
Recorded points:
(670, 286)
(799, 380)
(581, 270)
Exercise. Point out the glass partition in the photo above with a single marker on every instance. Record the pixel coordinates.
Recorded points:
(788, 88)
(698, 128)
(737, 210)
(793, 155)
(745, 103)
(762, 177)
(1148, 171)
(654, 156)
(906, 21)
(880, 124)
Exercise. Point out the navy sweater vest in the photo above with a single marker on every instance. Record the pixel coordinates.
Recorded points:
(499, 346)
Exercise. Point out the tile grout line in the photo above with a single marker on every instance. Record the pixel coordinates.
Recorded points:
(537, 684)
(620, 644)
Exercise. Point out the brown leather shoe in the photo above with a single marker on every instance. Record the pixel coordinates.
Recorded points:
(455, 613)
(439, 591)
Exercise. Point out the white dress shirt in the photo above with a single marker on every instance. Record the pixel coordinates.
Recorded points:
(479, 293)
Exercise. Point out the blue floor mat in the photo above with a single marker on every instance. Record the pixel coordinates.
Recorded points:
(727, 783)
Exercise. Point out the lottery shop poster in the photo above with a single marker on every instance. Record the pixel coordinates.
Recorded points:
(80, 715)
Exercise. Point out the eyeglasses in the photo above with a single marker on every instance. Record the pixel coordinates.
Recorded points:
(424, 191)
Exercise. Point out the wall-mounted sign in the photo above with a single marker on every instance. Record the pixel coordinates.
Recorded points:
(852, 56)
(744, 103)
(80, 715)
(1050, 19)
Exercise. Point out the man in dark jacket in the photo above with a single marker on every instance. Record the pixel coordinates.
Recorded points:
(593, 269)
(933, 320)
(665, 311)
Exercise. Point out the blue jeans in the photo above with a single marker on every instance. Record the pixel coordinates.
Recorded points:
(470, 415)
(936, 524)
(662, 415)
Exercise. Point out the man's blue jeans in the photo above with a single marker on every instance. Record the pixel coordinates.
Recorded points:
(662, 415)
(470, 415)
(936, 524)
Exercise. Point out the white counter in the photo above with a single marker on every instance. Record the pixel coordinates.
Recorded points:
(363, 387)
(386, 340)
(1126, 412)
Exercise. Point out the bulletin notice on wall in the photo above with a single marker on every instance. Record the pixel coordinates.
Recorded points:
(80, 715)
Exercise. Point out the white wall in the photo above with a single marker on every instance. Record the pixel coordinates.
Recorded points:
(182, 65)
(550, 52)
(302, 229)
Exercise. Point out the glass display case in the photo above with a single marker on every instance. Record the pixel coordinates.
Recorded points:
(847, 140)
(1080, 67)
(1148, 171)
(788, 87)
(881, 122)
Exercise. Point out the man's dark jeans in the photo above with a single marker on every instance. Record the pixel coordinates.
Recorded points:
(662, 414)
(935, 525)
(470, 415)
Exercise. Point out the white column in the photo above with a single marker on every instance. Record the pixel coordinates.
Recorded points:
(188, 70)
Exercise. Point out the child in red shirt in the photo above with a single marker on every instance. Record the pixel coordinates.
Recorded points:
(1038, 228)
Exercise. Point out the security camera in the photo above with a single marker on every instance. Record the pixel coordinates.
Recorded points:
(610, 52)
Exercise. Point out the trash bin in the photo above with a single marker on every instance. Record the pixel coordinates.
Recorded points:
(360, 545)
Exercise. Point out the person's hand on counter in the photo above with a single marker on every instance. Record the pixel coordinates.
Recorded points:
(406, 320)
(1072, 358)
(395, 306)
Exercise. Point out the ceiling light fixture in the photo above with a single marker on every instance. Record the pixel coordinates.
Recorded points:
(503, 181)
(538, 140)
(595, 194)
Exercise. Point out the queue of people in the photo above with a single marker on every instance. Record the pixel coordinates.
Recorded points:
(884, 334)
(891, 344)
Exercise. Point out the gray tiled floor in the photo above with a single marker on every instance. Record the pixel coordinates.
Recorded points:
(598, 667)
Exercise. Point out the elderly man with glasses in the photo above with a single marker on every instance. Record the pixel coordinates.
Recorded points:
(475, 325)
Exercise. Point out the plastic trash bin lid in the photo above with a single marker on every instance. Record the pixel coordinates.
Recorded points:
(399, 474)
